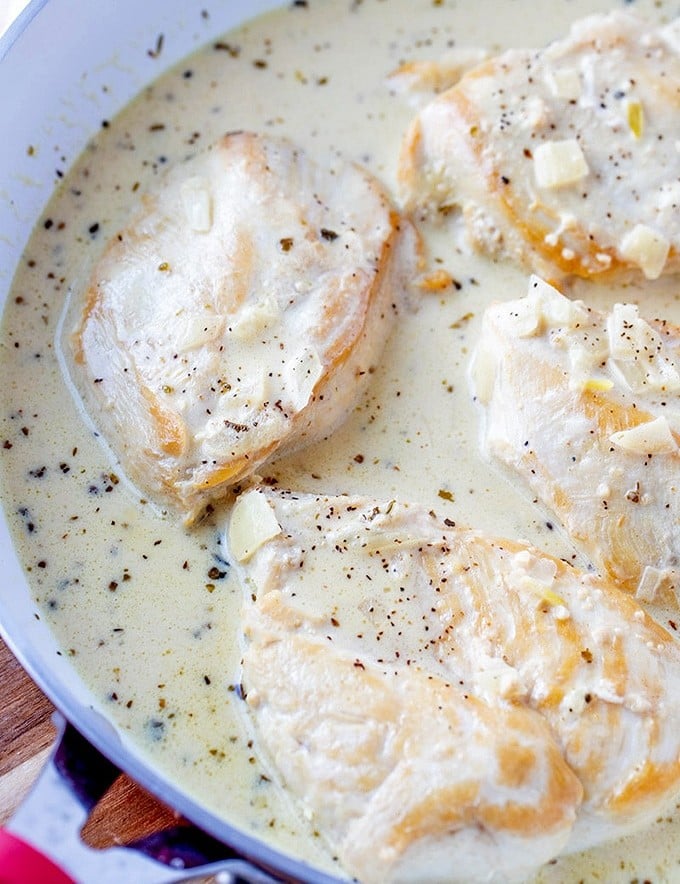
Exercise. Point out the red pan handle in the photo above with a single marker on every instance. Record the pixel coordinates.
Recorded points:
(22, 864)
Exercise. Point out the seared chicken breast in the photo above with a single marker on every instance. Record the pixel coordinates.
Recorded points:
(584, 408)
(236, 315)
(418, 81)
(481, 708)
(564, 159)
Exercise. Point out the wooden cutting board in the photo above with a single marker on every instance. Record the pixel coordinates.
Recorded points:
(26, 733)
(124, 815)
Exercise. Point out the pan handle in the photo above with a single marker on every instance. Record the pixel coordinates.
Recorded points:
(21, 862)
(49, 821)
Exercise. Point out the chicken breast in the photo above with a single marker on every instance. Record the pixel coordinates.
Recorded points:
(236, 315)
(419, 81)
(564, 159)
(447, 706)
(584, 408)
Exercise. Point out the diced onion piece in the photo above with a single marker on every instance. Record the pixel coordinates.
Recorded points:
(251, 319)
(301, 374)
(552, 307)
(652, 437)
(526, 317)
(639, 353)
(197, 203)
(646, 248)
(651, 582)
(574, 700)
(555, 308)
(535, 575)
(194, 332)
(252, 524)
(559, 163)
(494, 678)
(565, 83)
(541, 590)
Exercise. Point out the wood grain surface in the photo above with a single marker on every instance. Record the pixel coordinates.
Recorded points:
(26, 733)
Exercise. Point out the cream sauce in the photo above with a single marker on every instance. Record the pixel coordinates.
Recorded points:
(148, 611)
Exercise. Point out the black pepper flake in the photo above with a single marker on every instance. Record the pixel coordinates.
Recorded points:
(328, 235)
(93, 228)
(633, 495)
(286, 243)
(233, 51)
(156, 51)
(25, 514)
(299, 4)
(7, 444)
(239, 428)
(239, 690)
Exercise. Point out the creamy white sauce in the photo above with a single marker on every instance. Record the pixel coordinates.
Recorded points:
(147, 610)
